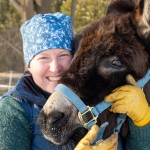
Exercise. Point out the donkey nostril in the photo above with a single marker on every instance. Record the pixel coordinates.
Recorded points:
(59, 118)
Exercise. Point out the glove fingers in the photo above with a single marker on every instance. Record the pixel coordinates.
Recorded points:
(92, 134)
(115, 96)
(122, 93)
(119, 108)
(124, 88)
(110, 143)
(114, 147)
(130, 80)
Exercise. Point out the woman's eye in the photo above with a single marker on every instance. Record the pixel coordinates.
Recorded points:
(117, 63)
(44, 58)
(64, 55)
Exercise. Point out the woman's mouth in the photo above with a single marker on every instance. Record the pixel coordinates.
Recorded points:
(54, 78)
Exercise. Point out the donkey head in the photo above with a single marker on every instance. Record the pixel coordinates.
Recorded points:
(107, 50)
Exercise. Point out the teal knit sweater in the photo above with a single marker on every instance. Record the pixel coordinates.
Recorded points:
(12, 116)
(14, 126)
(138, 137)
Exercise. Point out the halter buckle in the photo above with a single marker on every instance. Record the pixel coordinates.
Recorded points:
(81, 117)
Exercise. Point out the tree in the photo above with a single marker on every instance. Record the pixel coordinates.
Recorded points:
(12, 15)
(10, 38)
(73, 9)
(86, 11)
(28, 8)
(14, 12)
(55, 6)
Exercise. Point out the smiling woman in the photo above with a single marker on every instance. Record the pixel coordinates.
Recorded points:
(48, 67)
(47, 47)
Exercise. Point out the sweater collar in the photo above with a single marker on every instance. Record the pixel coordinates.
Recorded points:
(28, 90)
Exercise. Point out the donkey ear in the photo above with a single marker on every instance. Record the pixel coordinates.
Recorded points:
(141, 19)
(118, 7)
(76, 42)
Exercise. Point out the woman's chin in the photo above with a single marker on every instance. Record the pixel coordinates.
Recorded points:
(50, 88)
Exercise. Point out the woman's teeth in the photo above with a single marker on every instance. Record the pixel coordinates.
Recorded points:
(54, 78)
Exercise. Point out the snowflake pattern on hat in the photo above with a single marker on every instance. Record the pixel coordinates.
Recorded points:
(46, 31)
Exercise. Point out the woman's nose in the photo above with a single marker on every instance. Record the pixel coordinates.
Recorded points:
(55, 66)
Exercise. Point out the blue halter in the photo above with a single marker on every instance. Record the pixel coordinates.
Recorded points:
(95, 111)
(141, 83)
(83, 109)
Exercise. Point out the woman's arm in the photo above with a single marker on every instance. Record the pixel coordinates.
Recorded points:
(15, 130)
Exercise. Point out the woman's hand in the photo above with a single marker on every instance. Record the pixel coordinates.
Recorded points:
(86, 143)
(130, 100)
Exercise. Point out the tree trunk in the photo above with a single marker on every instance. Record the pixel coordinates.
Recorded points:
(42, 6)
(28, 9)
(73, 9)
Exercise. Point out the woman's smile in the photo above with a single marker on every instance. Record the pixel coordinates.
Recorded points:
(54, 78)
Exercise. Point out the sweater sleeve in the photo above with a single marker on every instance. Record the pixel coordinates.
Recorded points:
(138, 137)
(15, 130)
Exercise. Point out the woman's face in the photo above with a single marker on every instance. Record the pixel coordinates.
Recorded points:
(48, 67)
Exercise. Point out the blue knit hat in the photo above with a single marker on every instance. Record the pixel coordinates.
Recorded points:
(46, 31)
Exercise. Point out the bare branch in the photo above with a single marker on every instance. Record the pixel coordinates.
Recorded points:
(17, 5)
(14, 48)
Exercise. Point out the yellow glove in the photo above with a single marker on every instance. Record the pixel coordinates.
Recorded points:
(130, 100)
(109, 144)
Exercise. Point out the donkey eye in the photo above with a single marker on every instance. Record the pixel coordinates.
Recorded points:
(117, 63)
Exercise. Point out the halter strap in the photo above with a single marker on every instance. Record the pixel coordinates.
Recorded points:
(141, 83)
(95, 111)
(83, 109)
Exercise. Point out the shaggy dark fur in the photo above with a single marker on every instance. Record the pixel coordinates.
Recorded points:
(107, 50)
(112, 36)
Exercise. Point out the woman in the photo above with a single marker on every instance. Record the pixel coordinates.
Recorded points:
(48, 52)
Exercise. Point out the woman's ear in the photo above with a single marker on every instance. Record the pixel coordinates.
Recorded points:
(28, 67)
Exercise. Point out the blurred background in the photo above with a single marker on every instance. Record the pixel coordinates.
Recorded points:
(15, 12)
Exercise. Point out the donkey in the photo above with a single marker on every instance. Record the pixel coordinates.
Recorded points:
(107, 51)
